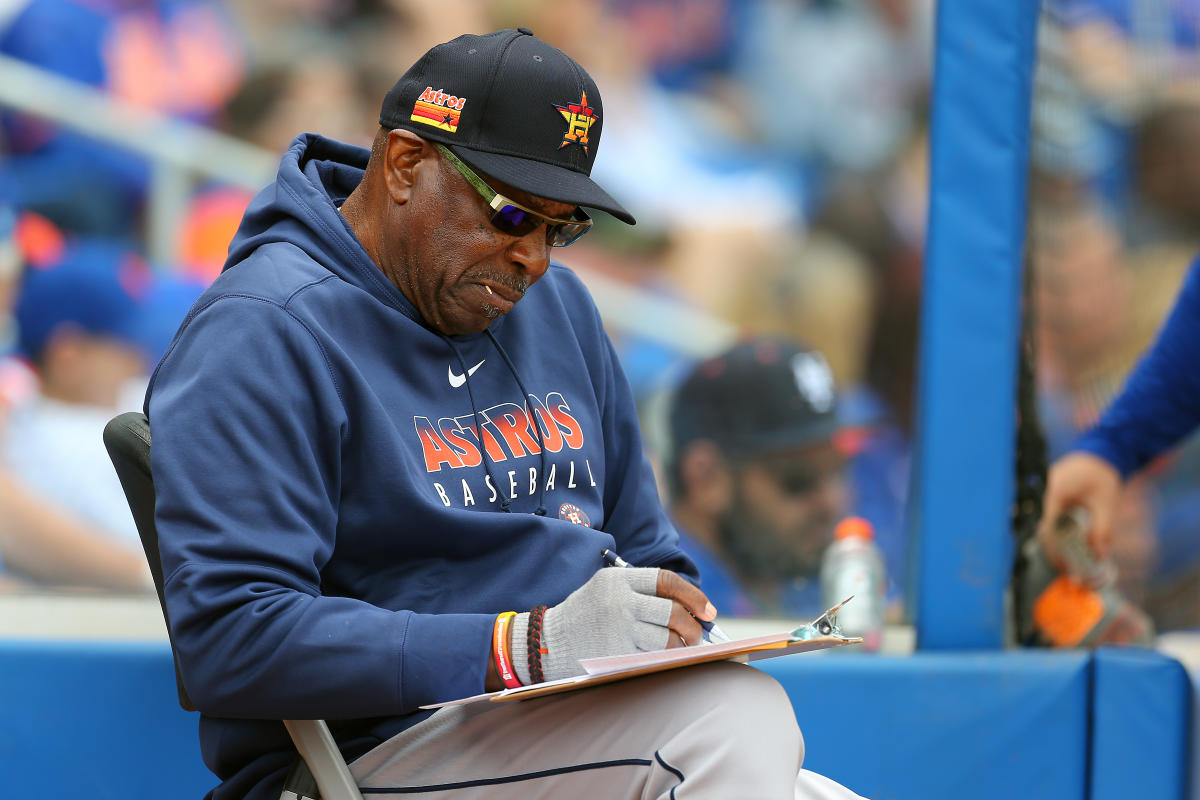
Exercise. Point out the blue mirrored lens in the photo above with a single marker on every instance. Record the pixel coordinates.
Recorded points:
(564, 233)
(519, 222)
(514, 218)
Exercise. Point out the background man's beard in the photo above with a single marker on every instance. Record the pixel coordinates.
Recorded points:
(758, 551)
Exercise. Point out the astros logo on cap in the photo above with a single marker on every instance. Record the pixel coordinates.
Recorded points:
(579, 117)
(435, 107)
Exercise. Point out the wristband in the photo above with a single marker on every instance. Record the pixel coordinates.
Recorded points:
(504, 666)
(533, 644)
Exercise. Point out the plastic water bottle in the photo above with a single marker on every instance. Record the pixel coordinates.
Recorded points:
(853, 565)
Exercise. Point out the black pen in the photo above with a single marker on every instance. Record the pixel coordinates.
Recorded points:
(711, 630)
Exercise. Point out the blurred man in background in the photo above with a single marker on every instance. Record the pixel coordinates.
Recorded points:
(756, 474)
(90, 318)
(1157, 409)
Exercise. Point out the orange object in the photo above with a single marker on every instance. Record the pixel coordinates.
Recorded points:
(854, 526)
(1067, 611)
(39, 240)
(211, 221)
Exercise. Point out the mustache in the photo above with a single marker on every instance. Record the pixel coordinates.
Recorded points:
(514, 282)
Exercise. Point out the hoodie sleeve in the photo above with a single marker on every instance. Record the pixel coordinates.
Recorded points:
(1160, 403)
(247, 427)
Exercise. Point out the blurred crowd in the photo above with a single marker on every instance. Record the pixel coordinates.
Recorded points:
(774, 153)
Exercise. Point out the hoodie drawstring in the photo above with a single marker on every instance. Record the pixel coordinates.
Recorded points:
(537, 428)
(505, 502)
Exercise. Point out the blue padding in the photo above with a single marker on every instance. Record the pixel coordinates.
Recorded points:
(1141, 723)
(1193, 792)
(983, 75)
(97, 721)
(944, 725)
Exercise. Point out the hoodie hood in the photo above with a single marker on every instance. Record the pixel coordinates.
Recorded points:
(300, 208)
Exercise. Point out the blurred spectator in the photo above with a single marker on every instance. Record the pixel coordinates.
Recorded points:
(91, 322)
(179, 57)
(757, 478)
(274, 105)
(1083, 311)
(833, 84)
(883, 216)
(1166, 202)
(1154, 412)
(278, 104)
(822, 293)
(1095, 316)
(38, 541)
(209, 223)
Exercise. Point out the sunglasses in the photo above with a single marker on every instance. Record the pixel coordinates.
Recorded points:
(515, 219)
(800, 477)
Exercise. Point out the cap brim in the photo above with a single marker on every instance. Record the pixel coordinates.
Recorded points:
(815, 432)
(550, 181)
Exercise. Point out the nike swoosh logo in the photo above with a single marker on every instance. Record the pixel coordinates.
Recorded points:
(458, 380)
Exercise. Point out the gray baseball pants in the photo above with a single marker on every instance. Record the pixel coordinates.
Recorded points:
(720, 731)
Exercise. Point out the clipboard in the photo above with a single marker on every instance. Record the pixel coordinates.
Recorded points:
(819, 634)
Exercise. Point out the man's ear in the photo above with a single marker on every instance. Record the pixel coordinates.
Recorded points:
(403, 151)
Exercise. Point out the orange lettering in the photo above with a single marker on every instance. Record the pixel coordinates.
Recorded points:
(573, 434)
(552, 437)
(436, 451)
(465, 449)
(514, 427)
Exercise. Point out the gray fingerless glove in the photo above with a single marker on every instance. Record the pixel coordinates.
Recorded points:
(615, 612)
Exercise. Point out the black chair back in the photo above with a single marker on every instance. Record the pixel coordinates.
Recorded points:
(127, 438)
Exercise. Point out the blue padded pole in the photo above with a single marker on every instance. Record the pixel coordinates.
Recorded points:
(983, 76)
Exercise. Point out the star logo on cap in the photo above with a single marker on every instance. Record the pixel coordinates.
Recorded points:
(579, 117)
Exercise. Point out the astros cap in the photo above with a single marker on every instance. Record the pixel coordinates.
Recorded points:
(510, 106)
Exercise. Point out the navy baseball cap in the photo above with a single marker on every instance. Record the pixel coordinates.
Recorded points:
(762, 395)
(103, 289)
(513, 107)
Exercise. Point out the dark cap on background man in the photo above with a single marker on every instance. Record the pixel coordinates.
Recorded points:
(762, 395)
(510, 106)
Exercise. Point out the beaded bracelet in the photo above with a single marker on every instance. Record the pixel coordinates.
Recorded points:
(500, 647)
(533, 644)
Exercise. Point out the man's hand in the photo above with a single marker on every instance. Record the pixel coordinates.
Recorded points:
(617, 611)
(1081, 479)
(689, 605)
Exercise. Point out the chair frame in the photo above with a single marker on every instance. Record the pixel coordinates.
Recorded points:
(321, 772)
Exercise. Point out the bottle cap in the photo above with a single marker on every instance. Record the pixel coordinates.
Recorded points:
(854, 526)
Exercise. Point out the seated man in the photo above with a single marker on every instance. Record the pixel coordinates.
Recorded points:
(757, 481)
(390, 422)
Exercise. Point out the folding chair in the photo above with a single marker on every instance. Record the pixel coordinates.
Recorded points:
(320, 772)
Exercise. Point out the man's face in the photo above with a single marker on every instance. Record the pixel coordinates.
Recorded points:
(1082, 293)
(784, 509)
(462, 272)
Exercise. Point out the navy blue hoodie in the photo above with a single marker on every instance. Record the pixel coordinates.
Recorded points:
(333, 475)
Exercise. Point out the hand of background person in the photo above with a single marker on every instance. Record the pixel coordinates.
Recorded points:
(1085, 480)
(619, 611)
